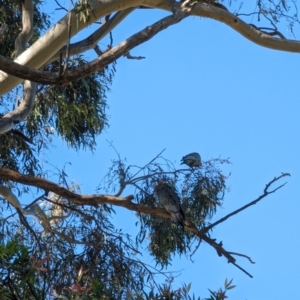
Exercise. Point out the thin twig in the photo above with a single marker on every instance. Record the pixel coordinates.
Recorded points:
(23, 220)
(196, 248)
(243, 255)
(152, 160)
(129, 56)
(61, 7)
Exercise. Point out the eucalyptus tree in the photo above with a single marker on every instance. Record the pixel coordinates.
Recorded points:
(63, 243)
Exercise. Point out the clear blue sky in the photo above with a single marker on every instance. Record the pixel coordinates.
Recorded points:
(205, 88)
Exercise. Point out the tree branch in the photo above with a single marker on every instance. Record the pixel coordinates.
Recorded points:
(127, 203)
(52, 41)
(8, 121)
(48, 45)
(265, 194)
(243, 255)
(91, 41)
(105, 59)
(29, 92)
(27, 27)
(14, 201)
(10, 197)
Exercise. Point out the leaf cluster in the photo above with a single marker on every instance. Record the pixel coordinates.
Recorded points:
(17, 275)
(86, 255)
(77, 111)
(83, 10)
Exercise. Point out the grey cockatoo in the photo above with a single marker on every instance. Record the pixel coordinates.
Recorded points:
(169, 199)
(192, 160)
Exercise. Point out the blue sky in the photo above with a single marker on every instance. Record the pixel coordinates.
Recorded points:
(205, 88)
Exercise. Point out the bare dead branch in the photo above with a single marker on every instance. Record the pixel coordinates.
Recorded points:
(212, 242)
(150, 162)
(265, 194)
(61, 7)
(274, 180)
(243, 270)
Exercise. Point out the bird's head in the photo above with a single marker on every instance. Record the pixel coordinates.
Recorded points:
(159, 185)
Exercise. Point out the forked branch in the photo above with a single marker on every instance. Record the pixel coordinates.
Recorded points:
(265, 194)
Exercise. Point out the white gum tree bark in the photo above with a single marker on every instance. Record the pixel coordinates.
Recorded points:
(56, 38)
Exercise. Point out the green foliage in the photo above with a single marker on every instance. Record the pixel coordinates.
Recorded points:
(17, 154)
(15, 151)
(165, 239)
(83, 10)
(77, 111)
(17, 272)
(22, 276)
(85, 255)
(201, 191)
(221, 294)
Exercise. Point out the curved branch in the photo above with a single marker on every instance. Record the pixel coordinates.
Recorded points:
(105, 59)
(91, 41)
(47, 46)
(53, 40)
(27, 27)
(22, 111)
(243, 255)
(36, 211)
(33, 210)
(14, 201)
(10, 197)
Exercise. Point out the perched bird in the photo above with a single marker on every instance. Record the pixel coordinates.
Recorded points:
(192, 160)
(169, 199)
